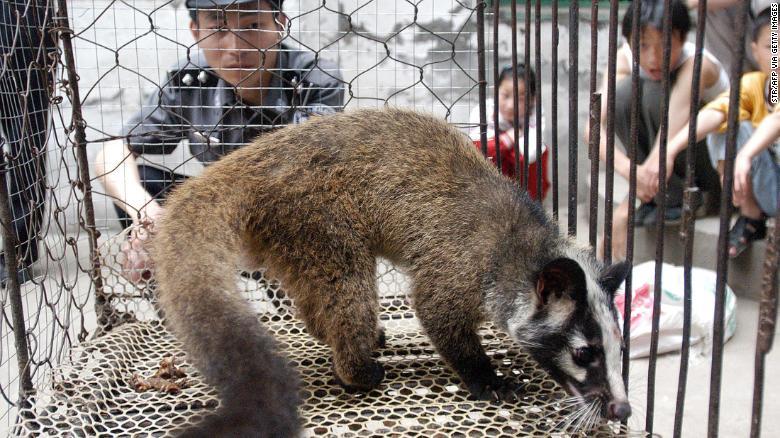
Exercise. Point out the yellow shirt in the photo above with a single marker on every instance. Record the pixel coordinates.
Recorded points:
(752, 102)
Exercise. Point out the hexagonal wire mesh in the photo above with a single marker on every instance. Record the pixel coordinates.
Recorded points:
(411, 54)
(92, 393)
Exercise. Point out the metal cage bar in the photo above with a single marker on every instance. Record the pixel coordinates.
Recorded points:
(725, 214)
(689, 222)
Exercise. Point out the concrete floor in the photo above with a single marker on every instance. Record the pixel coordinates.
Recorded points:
(736, 391)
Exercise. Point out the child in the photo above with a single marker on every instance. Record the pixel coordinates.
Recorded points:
(506, 117)
(756, 171)
(714, 81)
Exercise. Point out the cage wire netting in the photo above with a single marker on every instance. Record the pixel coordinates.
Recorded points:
(89, 329)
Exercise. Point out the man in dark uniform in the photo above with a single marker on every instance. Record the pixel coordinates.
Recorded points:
(242, 81)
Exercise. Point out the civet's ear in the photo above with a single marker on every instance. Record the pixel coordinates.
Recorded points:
(562, 278)
(613, 276)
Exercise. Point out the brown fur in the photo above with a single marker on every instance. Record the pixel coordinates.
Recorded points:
(316, 204)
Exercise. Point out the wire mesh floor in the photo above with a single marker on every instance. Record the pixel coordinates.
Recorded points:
(91, 392)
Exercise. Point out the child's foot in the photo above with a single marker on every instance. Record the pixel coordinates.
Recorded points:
(743, 233)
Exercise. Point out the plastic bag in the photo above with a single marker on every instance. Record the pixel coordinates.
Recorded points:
(671, 319)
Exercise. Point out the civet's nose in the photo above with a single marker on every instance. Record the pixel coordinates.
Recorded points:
(618, 410)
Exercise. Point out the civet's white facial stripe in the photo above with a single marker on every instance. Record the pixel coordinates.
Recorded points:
(611, 339)
(578, 340)
(520, 318)
(559, 312)
(567, 365)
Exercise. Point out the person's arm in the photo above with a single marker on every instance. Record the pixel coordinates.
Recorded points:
(679, 117)
(767, 133)
(707, 121)
(622, 163)
(117, 169)
(155, 129)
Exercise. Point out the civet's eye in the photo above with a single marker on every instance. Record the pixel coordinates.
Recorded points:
(584, 356)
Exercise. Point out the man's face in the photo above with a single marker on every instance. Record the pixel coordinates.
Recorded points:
(236, 40)
(651, 51)
(762, 50)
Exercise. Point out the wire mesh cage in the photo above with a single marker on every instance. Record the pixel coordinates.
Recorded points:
(161, 81)
(98, 93)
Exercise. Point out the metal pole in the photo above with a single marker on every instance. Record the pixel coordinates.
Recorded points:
(102, 307)
(688, 224)
(496, 84)
(481, 75)
(659, 248)
(538, 87)
(636, 97)
(725, 215)
(574, 13)
(595, 138)
(526, 80)
(554, 103)
(593, 142)
(609, 181)
(767, 321)
(10, 241)
(515, 103)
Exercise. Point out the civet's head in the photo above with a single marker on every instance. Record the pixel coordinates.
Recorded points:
(570, 327)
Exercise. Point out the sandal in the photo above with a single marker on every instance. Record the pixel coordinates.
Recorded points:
(743, 233)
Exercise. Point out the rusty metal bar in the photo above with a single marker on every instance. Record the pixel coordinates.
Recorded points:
(593, 151)
(102, 307)
(481, 77)
(496, 72)
(767, 321)
(594, 49)
(609, 166)
(538, 87)
(661, 209)
(593, 144)
(24, 68)
(725, 215)
(10, 241)
(554, 103)
(574, 15)
(689, 220)
(515, 102)
(526, 81)
(636, 98)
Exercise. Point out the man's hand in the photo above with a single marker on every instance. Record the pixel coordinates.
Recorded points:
(137, 265)
(646, 184)
(647, 175)
(741, 178)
